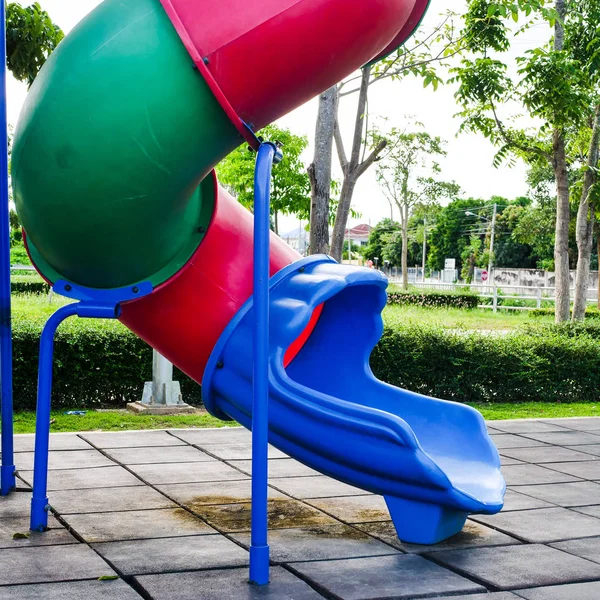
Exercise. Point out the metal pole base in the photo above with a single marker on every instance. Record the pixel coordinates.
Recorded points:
(259, 565)
(39, 514)
(8, 482)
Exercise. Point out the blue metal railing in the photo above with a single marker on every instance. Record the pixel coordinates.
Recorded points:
(259, 547)
(7, 469)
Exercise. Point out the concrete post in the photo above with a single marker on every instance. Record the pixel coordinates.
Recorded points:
(162, 395)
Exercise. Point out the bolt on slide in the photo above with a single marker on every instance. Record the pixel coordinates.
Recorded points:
(113, 179)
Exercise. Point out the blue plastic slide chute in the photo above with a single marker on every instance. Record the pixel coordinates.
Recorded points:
(432, 460)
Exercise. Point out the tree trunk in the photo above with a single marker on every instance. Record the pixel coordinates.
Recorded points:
(320, 172)
(405, 249)
(276, 221)
(341, 218)
(585, 225)
(598, 251)
(563, 216)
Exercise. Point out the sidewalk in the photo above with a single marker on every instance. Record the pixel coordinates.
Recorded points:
(168, 514)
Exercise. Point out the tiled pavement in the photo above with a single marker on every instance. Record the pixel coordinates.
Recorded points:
(164, 515)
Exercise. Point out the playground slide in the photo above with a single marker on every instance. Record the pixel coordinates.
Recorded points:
(113, 179)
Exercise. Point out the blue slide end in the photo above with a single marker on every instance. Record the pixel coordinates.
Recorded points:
(432, 460)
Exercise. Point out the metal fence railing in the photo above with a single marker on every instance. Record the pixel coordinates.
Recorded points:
(505, 297)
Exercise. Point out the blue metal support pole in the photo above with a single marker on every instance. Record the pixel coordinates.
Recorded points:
(259, 546)
(39, 502)
(7, 470)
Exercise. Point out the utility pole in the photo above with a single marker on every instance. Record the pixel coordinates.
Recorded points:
(424, 245)
(491, 261)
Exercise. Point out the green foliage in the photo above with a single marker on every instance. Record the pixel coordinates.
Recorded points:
(551, 366)
(436, 299)
(97, 363)
(31, 37)
(28, 285)
(18, 255)
(290, 187)
(557, 86)
(378, 238)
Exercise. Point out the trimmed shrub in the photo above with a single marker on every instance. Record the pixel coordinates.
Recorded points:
(28, 285)
(97, 365)
(547, 365)
(434, 299)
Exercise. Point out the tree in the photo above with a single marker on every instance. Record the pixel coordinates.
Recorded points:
(401, 175)
(290, 186)
(379, 238)
(556, 84)
(419, 59)
(31, 37)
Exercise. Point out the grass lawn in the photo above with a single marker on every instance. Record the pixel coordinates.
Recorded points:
(456, 318)
(118, 420)
(538, 410)
(123, 420)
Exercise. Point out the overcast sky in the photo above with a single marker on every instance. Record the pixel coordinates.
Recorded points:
(469, 160)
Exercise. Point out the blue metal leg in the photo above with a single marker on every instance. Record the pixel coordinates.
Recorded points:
(259, 547)
(7, 469)
(39, 502)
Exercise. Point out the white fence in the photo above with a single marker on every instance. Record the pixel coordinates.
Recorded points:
(504, 297)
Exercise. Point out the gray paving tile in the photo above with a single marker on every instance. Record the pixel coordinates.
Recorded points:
(108, 500)
(231, 584)
(170, 555)
(585, 470)
(130, 439)
(79, 479)
(505, 461)
(493, 596)
(50, 563)
(473, 535)
(65, 459)
(58, 441)
(314, 487)
(547, 454)
(196, 472)
(281, 467)
(354, 509)
(157, 455)
(239, 451)
(399, 577)
(509, 440)
(201, 437)
(593, 510)
(543, 525)
(17, 504)
(137, 525)
(220, 492)
(574, 591)
(55, 536)
(282, 513)
(320, 543)
(516, 501)
(565, 438)
(519, 426)
(527, 474)
(580, 493)
(72, 590)
(588, 449)
(578, 423)
(588, 548)
(513, 567)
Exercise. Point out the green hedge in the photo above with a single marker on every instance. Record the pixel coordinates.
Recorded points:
(434, 299)
(551, 364)
(28, 285)
(97, 365)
